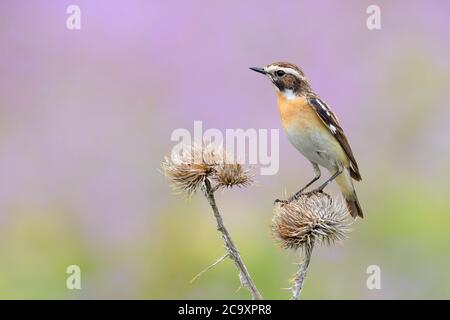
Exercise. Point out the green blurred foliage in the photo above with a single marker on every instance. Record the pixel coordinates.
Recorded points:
(35, 250)
(405, 232)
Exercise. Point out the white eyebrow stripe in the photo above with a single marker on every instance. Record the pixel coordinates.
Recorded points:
(287, 70)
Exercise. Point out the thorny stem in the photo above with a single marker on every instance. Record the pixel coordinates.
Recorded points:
(244, 276)
(301, 273)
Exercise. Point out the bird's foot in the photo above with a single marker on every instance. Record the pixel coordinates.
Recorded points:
(280, 201)
(320, 192)
(297, 195)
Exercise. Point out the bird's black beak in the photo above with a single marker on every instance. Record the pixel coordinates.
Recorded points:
(260, 70)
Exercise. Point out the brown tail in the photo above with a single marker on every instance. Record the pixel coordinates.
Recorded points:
(354, 206)
(345, 183)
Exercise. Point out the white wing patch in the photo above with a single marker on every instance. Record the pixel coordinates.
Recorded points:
(325, 109)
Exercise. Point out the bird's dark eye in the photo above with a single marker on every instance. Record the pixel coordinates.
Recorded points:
(280, 73)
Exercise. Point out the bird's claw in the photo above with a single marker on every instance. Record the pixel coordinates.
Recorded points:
(280, 201)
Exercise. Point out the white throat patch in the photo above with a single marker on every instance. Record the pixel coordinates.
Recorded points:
(289, 94)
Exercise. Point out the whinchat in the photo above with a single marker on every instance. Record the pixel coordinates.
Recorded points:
(314, 130)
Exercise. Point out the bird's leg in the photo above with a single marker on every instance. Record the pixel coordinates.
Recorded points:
(334, 176)
(317, 175)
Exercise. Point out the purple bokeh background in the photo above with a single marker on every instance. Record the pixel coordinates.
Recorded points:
(86, 116)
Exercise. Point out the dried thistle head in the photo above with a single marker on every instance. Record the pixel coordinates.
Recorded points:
(185, 177)
(232, 174)
(188, 169)
(313, 218)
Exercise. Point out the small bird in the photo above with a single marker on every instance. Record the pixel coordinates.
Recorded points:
(314, 130)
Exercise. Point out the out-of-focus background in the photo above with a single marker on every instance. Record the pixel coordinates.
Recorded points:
(86, 118)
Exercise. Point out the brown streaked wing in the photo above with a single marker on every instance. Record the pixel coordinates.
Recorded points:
(332, 123)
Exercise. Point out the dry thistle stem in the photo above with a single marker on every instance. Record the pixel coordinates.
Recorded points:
(310, 219)
(196, 167)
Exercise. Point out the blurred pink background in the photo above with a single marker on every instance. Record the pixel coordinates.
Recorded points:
(86, 118)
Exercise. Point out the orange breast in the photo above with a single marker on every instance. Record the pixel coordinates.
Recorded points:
(306, 130)
(297, 113)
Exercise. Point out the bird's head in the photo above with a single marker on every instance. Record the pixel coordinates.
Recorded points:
(287, 78)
